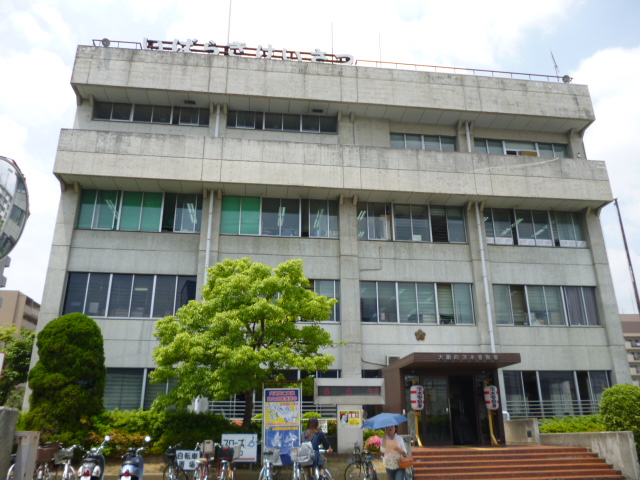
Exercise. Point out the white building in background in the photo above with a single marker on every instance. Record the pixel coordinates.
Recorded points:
(454, 216)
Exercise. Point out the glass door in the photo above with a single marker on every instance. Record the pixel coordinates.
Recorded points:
(436, 418)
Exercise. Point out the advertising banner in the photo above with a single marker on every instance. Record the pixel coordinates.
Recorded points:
(282, 418)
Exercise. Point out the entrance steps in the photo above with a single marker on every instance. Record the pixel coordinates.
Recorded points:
(511, 463)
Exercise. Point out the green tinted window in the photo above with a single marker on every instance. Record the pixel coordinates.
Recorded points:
(87, 204)
(230, 215)
(151, 212)
(131, 210)
(250, 216)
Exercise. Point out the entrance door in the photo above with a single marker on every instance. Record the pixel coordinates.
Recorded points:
(436, 420)
(449, 416)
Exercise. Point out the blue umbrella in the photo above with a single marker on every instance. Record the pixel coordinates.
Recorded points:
(383, 420)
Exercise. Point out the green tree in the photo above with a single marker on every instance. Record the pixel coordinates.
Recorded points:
(17, 347)
(68, 381)
(244, 331)
(620, 410)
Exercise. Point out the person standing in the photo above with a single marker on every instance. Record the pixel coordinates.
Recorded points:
(393, 448)
(317, 437)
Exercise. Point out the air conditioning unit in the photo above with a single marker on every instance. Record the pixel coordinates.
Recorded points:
(391, 359)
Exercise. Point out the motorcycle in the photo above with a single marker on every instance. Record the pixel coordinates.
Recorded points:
(93, 462)
(133, 463)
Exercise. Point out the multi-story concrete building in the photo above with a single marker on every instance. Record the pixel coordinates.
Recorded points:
(454, 216)
(631, 330)
(18, 310)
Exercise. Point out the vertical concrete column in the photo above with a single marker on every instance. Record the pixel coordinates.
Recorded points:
(55, 282)
(209, 234)
(606, 297)
(479, 293)
(8, 421)
(350, 290)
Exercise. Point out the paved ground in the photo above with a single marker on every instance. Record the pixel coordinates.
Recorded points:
(337, 463)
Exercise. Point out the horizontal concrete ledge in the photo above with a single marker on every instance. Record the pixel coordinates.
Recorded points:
(616, 448)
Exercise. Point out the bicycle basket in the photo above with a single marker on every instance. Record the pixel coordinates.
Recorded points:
(45, 454)
(169, 456)
(294, 454)
(272, 455)
(63, 455)
(225, 453)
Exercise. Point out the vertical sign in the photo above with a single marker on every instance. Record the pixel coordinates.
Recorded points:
(282, 415)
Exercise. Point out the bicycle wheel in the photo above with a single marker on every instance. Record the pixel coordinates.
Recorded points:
(198, 473)
(373, 475)
(174, 472)
(355, 471)
(327, 474)
(68, 473)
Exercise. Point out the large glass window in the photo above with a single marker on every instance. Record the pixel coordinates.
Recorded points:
(279, 217)
(140, 211)
(127, 112)
(127, 295)
(130, 389)
(409, 302)
(508, 147)
(423, 142)
(533, 228)
(412, 223)
(545, 305)
(329, 289)
(282, 122)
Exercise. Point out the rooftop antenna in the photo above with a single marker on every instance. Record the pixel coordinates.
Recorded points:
(229, 23)
(555, 65)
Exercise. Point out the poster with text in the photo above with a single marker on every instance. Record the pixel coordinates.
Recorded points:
(282, 415)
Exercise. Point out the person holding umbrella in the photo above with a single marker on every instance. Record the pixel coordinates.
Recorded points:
(393, 445)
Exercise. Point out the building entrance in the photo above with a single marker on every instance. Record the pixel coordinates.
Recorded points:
(453, 411)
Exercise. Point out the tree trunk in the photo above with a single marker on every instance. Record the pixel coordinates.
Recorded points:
(248, 411)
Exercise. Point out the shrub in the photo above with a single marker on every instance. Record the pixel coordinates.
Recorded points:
(620, 410)
(68, 381)
(587, 423)
(373, 443)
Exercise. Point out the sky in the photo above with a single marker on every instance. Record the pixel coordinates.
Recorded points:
(594, 41)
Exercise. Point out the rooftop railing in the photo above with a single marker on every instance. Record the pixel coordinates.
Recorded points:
(364, 63)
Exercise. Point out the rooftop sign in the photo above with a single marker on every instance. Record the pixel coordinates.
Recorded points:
(238, 49)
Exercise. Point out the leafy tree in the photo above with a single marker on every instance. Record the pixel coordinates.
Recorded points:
(243, 332)
(620, 410)
(17, 347)
(68, 381)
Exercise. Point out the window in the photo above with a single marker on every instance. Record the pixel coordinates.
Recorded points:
(140, 211)
(283, 122)
(279, 217)
(545, 305)
(412, 223)
(423, 142)
(508, 147)
(127, 112)
(329, 289)
(533, 228)
(130, 389)
(127, 295)
(408, 302)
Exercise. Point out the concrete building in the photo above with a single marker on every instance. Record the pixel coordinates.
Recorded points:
(454, 216)
(18, 310)
(631, 331)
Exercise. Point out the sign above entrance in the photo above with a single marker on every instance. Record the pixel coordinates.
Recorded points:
(239, 49)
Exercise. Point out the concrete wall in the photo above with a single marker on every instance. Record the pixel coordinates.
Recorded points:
(8, 422)
(616, 448)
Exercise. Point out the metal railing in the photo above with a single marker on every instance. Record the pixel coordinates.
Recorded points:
(551, 408)
(234, 409)
(395, 65)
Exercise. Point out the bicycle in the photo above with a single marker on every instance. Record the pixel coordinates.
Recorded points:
(201, 471)
(44, 457)
(225, 459)
(173, 471)
(269, 457)
(63, 458)
(361, 465)
(298, 469)
(315, 471)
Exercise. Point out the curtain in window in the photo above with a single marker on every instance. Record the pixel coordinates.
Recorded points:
(402, 222)
(591, 305)
(445, 303)
(455, 223)
(123, 388)
(537, 306)
(519, 305)
(439, 225)
(555, 308)
(575, 310)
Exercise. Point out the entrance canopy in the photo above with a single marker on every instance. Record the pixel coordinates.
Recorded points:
(452, 361)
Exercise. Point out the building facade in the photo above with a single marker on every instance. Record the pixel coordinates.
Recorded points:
(18, 310)
(455, 217)
(631, 330)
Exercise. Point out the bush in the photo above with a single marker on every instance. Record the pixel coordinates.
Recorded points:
(620, 410)
(68, 381)
(587, 423)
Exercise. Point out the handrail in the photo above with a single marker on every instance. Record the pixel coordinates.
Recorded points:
(234, 409)
(519, 409)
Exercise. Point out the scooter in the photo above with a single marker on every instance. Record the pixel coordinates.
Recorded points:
(133, 463)
(92, 467)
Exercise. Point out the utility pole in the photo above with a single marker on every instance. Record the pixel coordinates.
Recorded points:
(626, 249)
